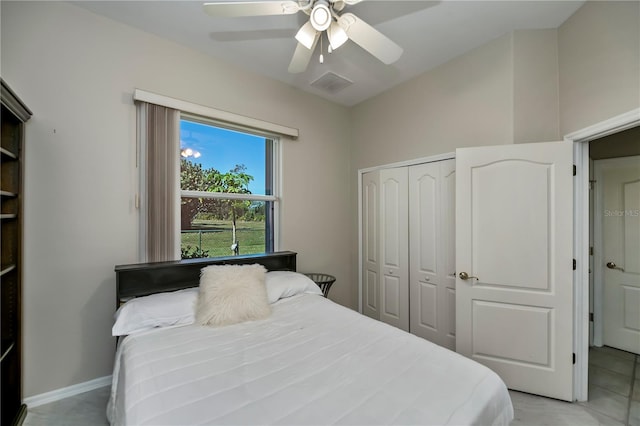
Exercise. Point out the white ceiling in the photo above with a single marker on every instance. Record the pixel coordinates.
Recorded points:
(431, 33)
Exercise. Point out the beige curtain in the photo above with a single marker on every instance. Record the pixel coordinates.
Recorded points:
(160, 133)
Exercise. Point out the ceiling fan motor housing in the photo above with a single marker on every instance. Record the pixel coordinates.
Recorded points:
(320, 15)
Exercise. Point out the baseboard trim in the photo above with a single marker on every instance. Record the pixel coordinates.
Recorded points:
(58, 394)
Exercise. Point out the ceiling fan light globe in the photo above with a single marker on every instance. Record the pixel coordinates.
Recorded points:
(337, 36)
(306, 35)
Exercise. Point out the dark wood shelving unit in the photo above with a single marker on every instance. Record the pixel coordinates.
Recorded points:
(13, 117)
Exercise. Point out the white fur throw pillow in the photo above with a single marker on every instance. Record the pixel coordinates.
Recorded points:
(230, 294)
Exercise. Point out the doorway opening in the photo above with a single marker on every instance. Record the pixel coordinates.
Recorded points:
(614, 273)
(583, 241)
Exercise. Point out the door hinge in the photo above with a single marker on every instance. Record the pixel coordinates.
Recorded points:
(575, 266)
(590, 251)
(591, 316)
(575, 170)
(574, 358)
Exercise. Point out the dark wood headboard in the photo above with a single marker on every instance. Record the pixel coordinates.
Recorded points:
(142, 279)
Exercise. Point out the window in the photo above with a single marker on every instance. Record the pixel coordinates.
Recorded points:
(227, 196)
(248, 194)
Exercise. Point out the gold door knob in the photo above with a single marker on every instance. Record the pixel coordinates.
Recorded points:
(465, 276)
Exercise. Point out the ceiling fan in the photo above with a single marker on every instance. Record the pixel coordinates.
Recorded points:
(324, 16)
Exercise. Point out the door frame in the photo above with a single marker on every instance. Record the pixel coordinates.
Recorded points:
(581, 238)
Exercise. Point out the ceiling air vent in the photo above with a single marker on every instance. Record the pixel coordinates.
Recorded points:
(331, 82)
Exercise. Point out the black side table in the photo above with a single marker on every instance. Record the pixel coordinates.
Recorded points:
(324, 281)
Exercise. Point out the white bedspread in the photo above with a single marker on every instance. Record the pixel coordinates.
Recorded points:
(312, 362)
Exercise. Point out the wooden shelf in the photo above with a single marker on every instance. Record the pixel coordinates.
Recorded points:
(12, 122)
(7, 153)
(9, 349)
(7, 270)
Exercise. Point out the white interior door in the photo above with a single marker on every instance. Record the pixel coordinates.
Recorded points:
(370, 256)
(432, 260)
(618, 186)
(514, 233)
(394, 248)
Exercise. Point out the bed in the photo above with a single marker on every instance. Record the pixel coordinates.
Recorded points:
(311, 361)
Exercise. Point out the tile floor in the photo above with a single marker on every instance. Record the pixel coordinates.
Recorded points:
(614, 399)
(86, 409)
(614, 395)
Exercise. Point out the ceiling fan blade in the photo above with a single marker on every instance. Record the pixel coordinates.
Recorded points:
(370, 39)
(302, 57)
(228, 9)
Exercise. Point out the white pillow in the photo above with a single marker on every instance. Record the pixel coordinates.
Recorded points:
(156, 310)
(281, 284)
(230, 294)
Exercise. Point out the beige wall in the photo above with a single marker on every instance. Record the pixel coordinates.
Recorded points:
(535, 86)
(77, 72)
(465, 102)
(505, 91)
(527, 86)
(599, 57)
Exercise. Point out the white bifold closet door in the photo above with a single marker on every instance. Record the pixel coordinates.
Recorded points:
(408, 252)
(370, 224)
(432, 294)
(394, 248)
(384, 245)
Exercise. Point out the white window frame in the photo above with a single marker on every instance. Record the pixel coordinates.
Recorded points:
(275, 167)
(216, 114)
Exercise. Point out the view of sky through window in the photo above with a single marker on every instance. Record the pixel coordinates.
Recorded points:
(222, 149)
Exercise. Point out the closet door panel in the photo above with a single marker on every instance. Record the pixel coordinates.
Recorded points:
(370, 243)
(423, 203)
(424, 306)
(391, 297)
(432, 251)
(423, 249)
(394, 254)
(448, 252)
(451, 319)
